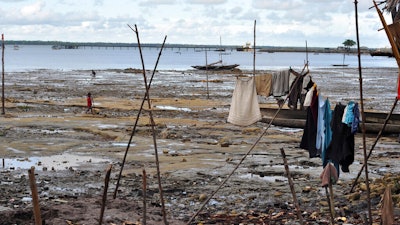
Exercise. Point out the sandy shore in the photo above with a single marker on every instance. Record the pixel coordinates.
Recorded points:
(46, 126)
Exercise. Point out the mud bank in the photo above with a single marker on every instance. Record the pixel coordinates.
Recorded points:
(46, 126)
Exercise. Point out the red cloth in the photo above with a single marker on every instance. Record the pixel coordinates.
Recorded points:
(89, 101)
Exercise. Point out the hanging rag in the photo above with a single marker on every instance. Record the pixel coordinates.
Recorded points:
(263, 84)
(280, 83)
(329, 175)
(244, 109)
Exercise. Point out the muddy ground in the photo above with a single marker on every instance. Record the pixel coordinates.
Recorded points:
(45, 126)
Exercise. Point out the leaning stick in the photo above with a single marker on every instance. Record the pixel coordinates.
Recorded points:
(137, 119)
(296, 203)
(35, 197)
(152, 129)
(104, 200)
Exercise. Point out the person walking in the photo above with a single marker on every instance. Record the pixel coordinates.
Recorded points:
(89, 101)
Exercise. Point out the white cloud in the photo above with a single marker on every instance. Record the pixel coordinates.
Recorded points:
(289, 23)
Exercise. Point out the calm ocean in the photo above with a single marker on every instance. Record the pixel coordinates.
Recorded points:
(44, 57)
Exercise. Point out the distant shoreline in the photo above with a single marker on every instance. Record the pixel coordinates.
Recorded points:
(269, 49)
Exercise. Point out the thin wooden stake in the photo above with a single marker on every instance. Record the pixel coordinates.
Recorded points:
(144, 196)
(330, 201)
(35, 196)
(153, 125)
(104, 200)
(363, 116)
(2, 76)
(254, 50)
(296, 203)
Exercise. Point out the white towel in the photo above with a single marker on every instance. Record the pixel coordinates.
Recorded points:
(244, 109)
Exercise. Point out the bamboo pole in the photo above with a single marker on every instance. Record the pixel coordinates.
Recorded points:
(137, 119)
(104, 200)
(35, 196)
(152, 129)
(363, 116)
(296, 203)
(254, 50)
(144, 196)
(2, 75)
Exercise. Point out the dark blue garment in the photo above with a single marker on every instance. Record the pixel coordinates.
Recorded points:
(356, 119)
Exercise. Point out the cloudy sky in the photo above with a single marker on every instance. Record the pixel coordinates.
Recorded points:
(322, 23)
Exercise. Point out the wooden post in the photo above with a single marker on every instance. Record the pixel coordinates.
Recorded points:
(144, 196)
(296, 203)
(35, 197)
(104, 200)
(2, 76)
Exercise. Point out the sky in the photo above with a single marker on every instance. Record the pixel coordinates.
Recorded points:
(320, 23)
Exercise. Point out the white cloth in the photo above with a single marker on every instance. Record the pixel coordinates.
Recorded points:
(244, 108)
(307, 101)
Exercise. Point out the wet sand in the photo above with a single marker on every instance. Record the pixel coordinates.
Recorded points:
(46, 126)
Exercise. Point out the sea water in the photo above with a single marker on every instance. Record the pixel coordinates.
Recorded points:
(33, 57)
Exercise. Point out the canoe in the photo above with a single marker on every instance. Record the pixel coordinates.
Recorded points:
(297, 119)
(216, 67)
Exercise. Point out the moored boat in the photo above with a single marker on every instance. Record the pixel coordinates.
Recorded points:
(297, 119)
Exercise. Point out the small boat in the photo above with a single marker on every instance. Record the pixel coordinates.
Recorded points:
(216, 67)
(297, 119)
(245, 48)
(16, 47)
(344, 65)
(379, 52)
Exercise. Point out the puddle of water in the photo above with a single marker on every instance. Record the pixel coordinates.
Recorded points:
(166, 107)
(58, 162)
(265, 178)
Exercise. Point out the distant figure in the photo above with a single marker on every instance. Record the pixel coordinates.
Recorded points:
(89, 100)
(93, 73)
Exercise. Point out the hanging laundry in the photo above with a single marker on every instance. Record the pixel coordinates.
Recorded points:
(328, 132)
(308, 141)
(280, 83)
(341, 148)
(298, 88)
(244, 109)
(263, 84)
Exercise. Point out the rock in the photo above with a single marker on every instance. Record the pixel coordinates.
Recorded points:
(202, 197)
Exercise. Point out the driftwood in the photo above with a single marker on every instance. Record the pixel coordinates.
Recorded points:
(35, 196)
